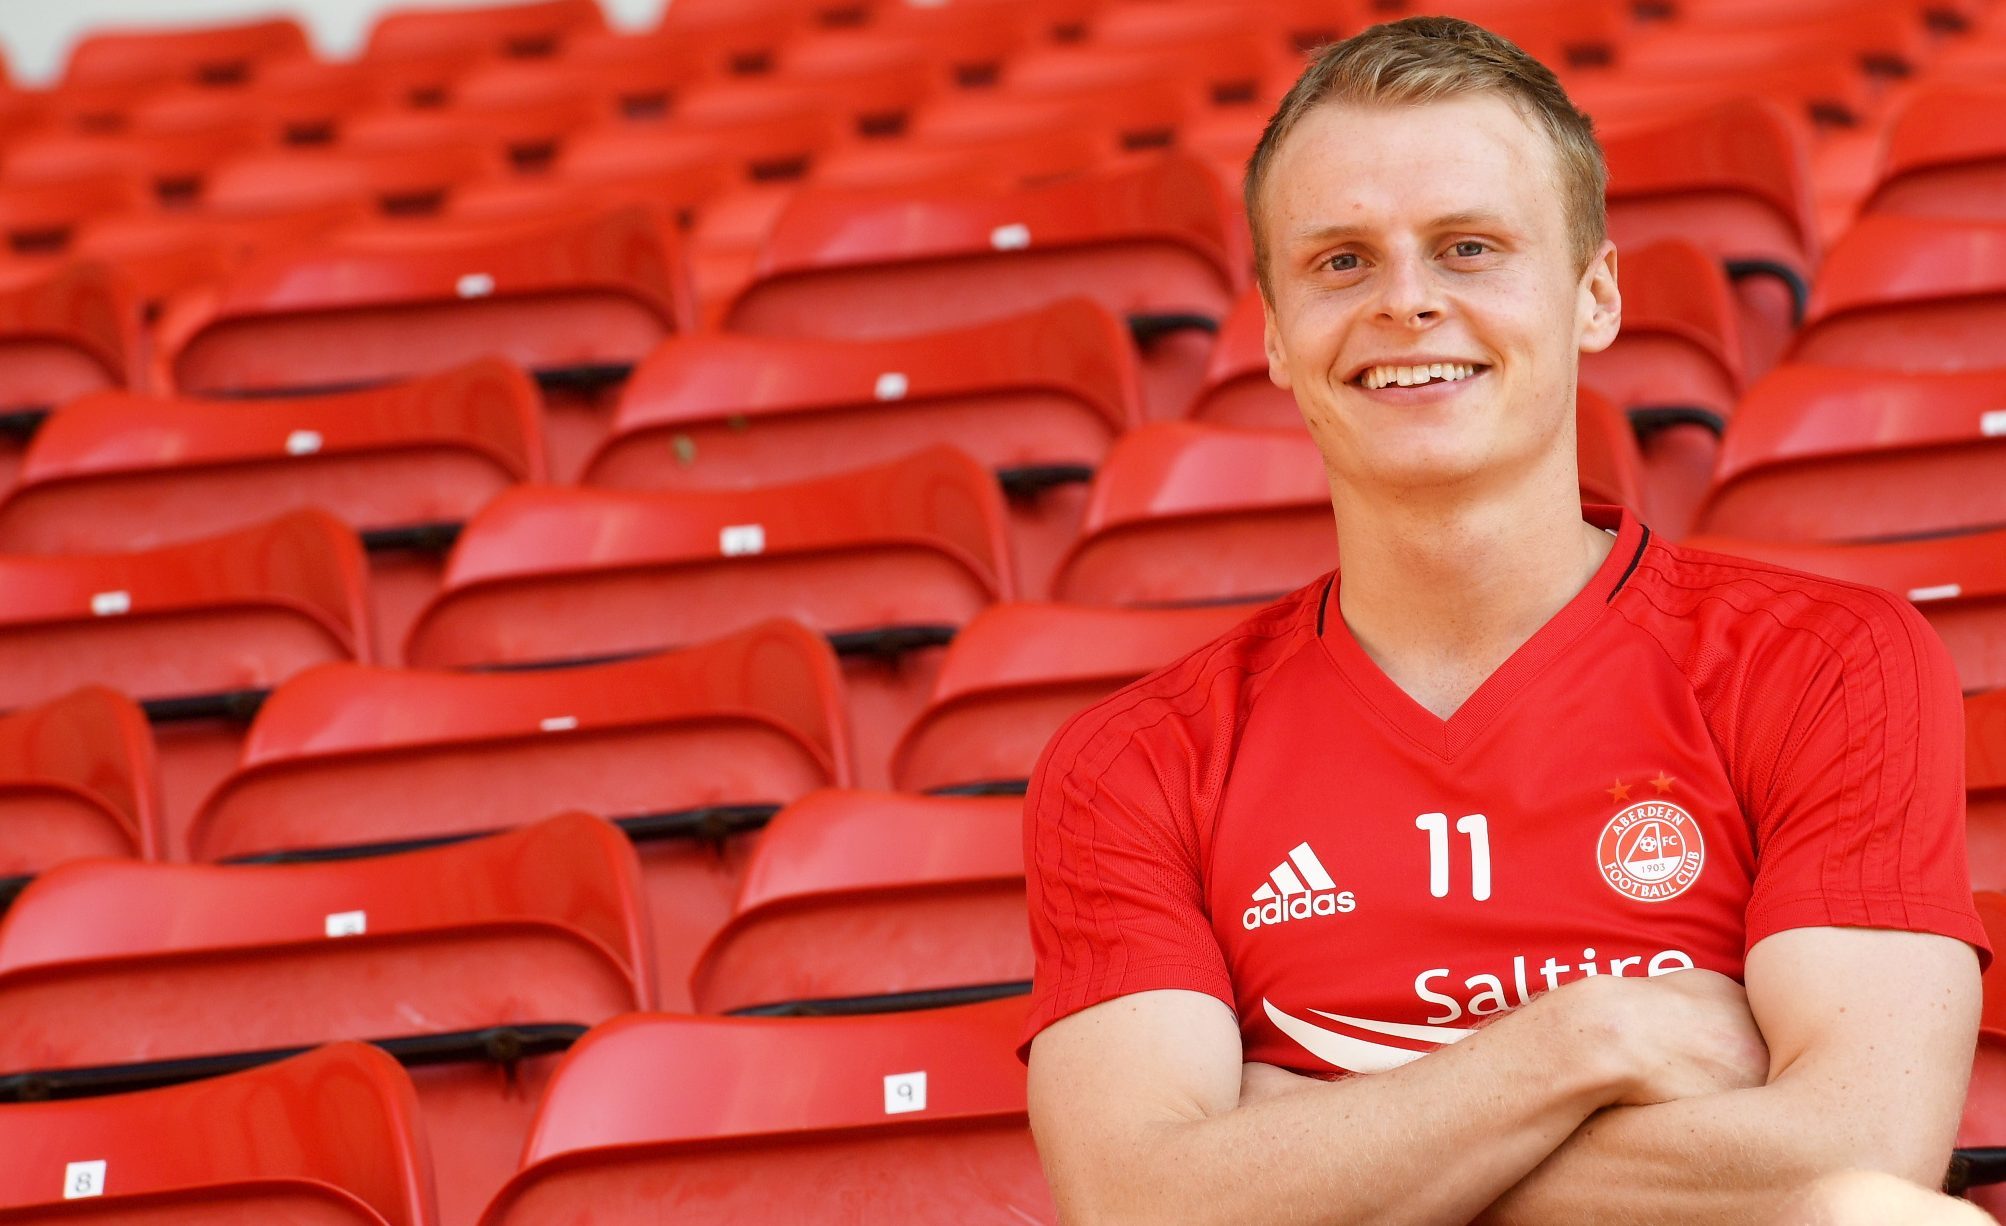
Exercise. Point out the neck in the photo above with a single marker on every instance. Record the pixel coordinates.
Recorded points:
(1439, 589)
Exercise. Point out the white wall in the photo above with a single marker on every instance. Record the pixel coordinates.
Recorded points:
(36, 34)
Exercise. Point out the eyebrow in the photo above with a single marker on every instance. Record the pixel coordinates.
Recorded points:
(1470, 219)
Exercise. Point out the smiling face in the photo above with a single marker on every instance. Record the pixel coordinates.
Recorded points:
(1425, 304)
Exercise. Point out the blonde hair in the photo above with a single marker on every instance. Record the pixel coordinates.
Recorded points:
(1419, 60)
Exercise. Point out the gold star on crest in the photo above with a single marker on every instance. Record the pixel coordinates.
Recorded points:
(1620, 793)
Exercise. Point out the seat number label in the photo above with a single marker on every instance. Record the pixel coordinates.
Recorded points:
(82, 1179)
(905, 1092)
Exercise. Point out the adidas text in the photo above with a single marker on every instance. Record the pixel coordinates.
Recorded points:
(1299, 906)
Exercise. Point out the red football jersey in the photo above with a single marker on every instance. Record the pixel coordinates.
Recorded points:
(1696, 752)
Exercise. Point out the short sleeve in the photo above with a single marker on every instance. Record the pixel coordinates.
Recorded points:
(1859, 798)
(1113, 868)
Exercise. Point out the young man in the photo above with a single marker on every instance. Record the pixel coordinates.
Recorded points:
(1428, 894)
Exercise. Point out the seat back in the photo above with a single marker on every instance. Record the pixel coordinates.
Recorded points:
(554, 295)
(1843, 454)
(1187, 514)
(1958, 583)
(548, 574)
(1941, 158)
(77, 778)
(1910, 294)
(1018, 671)
(870, 902)
(337, 1141)
(476, 959)
(1146, 238)
(64, 333)
(519, 31)
(789, 1119)
(1985, 791)
(214, 56)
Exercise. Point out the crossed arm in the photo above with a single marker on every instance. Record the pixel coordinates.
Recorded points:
(1606, 1101)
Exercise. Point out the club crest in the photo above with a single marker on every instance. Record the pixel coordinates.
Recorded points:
(1651, 851)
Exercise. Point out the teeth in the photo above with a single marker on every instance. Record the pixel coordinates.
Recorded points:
(1413, 376)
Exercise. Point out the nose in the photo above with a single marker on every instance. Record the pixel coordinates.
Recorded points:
(1410, 295)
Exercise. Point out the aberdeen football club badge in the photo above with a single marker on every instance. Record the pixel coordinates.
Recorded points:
(1651, 851)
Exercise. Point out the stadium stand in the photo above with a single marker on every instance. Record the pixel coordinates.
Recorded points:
(1017, 671)
(874, 902)
(887, 561)
(688, 752)
(337, 1142)
(198, 632)
(790, 1119)
(77, 779)
(475, 964)
(558, 360)
(403, 465)
(1038, 398)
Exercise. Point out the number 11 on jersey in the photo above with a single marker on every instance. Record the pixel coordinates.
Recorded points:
(1477, 828)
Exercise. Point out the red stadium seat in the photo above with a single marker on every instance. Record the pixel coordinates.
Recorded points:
(1675, 370)
(1146, 240)
(162, 255)
(1910, 294)
(520, 31)
(911, 1117)
(223, 55)
(77, 779)
(1017, 672)
(404, 465)
(1957, 582)
(576, 300)
(1237, 390)
(689, 752)
(1839, 454)
(65, 332)
(198, 631)
(1188, 514)
(410, 182)
(42, 218)
(1985, 793)
(734, 38)
(175, 165)
(1609, 466)
(1038, 398)
(1734, 179)
(875, 902)
(1941, 157)
(888, 561)
(475, 962)
(336, 1141)
(527, 135)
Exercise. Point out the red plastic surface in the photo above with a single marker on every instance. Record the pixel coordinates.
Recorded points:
(540, 925)
(728, 411)
(1942, 155)
(219, 55)
(1836, 453)
(77, 778)
(524, 30)
(1018, 671)
(858, 894)
(1957, 582)
(1182, 513)
(417, 180)
(390, 301)
(336, 1140)
(1910, 294)
(1148, 235)
(64, 332)
(786, 1120)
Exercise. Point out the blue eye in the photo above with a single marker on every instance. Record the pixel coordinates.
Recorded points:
(1470, 248)
(1336, 263)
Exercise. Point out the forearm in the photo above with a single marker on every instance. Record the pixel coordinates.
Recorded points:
(1728, 1158)
(1367, 1149)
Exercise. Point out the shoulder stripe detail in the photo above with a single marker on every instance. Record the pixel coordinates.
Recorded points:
(1643, 543)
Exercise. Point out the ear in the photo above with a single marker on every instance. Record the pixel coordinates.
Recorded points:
(1278, 367)
(1601, 301)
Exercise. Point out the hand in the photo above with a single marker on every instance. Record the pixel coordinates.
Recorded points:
(1681, 1035)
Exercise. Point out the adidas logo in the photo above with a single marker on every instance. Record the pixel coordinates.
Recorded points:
(1298, 888)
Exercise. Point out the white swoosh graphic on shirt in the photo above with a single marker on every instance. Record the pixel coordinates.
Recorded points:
(1360, 1055)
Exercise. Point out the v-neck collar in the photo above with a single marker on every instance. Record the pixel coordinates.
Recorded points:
(1448, 737)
